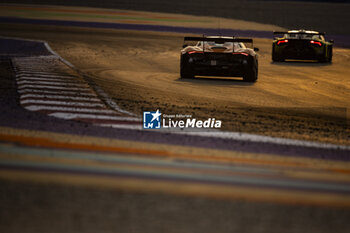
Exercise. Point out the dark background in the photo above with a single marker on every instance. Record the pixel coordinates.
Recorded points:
(322, 15)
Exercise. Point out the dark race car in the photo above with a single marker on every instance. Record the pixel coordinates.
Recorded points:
(219, 56)
(302, 45)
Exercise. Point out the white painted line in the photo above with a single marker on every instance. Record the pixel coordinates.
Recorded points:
(43, 62)
(45, 79)
(74, 93)
(58, 56)
(111, 103)
(122, 126)
(100, 92)
(29, 71)
(68, 109)
(63, 84)
(45, 74)
(49, 102)
(53, 87)
(106, 98)
(91, 116)
(59, 97)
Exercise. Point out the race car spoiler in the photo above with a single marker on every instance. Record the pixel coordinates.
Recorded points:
(218, 39)
(298, 32)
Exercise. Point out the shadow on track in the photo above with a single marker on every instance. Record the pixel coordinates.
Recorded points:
(301, 63)
(234, 81)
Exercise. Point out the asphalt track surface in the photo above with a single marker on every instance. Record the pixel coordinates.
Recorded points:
(59, 175)
(321, 16)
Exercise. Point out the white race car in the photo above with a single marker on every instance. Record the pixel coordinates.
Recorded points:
(219, 56)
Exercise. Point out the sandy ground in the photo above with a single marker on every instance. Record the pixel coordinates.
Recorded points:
(140, 70)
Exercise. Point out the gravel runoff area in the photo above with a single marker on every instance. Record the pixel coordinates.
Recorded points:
(263, 108)
(332, 18)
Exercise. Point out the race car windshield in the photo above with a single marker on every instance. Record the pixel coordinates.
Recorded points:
(226, 44)
(229, 45)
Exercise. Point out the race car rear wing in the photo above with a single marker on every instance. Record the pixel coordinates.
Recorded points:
(299, 32)
(218, 39)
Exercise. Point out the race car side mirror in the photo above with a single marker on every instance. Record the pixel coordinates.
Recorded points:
(331, 41)
(184, 46)
(256, 49)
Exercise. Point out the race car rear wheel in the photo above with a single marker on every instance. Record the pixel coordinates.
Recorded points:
(186, 70)
(251, 74)
(275, 58)
(330, 53)
(327, 56)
